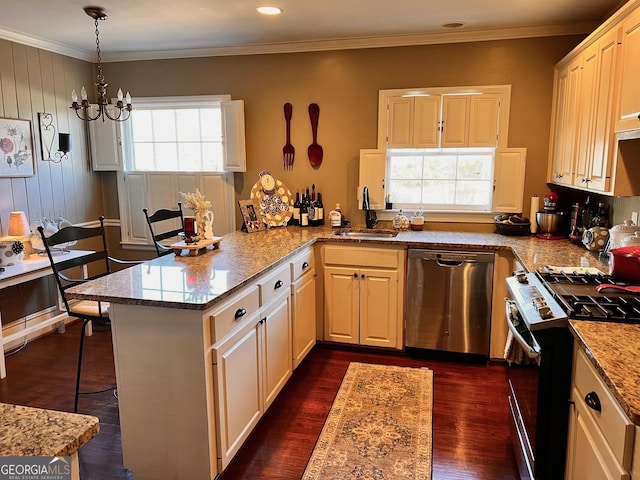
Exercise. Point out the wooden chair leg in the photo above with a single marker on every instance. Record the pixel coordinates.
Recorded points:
(82, 335)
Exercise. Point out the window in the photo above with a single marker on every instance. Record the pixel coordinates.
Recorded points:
(167, 135)
(172, 145)
(445, 149)
(441, 179)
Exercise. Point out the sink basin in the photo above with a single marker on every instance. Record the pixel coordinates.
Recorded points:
(366, 233)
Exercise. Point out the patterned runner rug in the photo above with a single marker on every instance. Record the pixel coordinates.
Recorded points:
(379, 427)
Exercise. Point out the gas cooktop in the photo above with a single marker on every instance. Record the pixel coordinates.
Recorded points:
(593, 296)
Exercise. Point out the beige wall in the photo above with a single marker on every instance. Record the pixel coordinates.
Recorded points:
(345, 84)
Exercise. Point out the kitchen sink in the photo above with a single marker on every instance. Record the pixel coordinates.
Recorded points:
(366, 233)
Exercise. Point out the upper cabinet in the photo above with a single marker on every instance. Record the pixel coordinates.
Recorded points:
(595, 96)
(434, 121)
(629, 111)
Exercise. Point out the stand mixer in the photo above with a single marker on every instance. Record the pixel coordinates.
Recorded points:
(550, 220)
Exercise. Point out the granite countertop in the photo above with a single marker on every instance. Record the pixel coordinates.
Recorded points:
(612, 349)
(199, 282)
(28, 431)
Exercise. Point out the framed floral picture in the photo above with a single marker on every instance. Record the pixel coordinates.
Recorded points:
(16, 148)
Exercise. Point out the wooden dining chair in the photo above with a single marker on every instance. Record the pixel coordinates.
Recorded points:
(76, 271)
(168, 216)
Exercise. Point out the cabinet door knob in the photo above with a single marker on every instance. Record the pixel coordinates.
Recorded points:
(278, 284)
(241, 312)
(362, 275)
(592, 401)
(305, 265)
(355, 275)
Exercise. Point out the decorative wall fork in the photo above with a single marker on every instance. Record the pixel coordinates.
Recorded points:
(288, 152)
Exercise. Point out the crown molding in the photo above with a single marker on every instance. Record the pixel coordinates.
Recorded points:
(460, 36)
(44, 44)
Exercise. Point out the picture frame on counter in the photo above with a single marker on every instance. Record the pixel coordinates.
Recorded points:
(16, 148)
(250, 211)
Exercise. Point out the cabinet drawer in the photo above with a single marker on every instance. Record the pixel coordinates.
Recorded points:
(616, 428)
(301, 264)
(240, 306)
(273, 283)
(362, 256)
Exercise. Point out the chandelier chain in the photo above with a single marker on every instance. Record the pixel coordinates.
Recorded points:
(100, 75)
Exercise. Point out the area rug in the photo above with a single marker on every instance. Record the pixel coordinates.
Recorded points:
(379, 427)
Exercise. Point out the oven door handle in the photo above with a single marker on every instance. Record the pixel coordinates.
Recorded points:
(532, 351)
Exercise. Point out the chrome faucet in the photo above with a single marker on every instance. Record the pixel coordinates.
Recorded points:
(370, 217)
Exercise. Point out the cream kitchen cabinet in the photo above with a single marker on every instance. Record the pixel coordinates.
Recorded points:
(303, 304)
(629, 106)
(565, 123)
(414, 122)
(252, 364)
(443, 121)
(470, 120)
(363, 295)
(596, 142)
(600, 443)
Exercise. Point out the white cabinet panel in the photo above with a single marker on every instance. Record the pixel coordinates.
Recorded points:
(629, 107)
(104, 142)
(426, 129)
(372, 174)
(455, 121)
(233, 136)
(483, 120)
(400, 122)
(509, 172)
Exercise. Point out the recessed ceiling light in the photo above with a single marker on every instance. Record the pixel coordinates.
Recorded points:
(269, 10)
(452, 25)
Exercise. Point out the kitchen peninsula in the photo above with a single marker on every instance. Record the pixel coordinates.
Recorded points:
(177, 322)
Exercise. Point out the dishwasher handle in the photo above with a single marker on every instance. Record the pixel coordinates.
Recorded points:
(443, 262)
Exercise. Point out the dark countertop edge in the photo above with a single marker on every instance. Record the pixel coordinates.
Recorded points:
(633, 415)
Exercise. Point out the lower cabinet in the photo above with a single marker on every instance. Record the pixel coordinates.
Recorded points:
(363, 293)
(251, 365)
(303, 308)
(600, 434)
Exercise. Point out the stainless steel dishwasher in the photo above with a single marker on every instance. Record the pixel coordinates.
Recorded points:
(449, 300)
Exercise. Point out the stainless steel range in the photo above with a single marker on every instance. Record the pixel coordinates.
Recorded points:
(541, 304)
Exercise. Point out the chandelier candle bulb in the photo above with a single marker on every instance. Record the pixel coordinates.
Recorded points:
(120, 95)
(83, 93)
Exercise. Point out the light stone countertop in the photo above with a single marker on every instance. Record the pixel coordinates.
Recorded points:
(612, 349)
(28, 431)
(200, 282)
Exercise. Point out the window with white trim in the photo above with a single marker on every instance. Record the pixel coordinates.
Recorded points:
(175, 135)
(441, 179)
(445, 149)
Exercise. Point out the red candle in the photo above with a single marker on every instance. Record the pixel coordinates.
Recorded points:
(189, 227)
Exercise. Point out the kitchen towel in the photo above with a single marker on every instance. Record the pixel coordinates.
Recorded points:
(535, 206)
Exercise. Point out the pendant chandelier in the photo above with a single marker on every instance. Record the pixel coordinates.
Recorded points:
(119, 112)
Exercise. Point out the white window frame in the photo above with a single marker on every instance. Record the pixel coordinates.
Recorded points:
(136, 188)
(447, 214)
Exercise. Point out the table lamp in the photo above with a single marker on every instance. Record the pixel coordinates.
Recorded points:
(12, 247)
(18, 225)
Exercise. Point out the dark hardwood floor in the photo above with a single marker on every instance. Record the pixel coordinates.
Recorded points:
(470, 429)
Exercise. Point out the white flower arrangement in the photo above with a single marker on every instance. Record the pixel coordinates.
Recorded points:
(196, 201)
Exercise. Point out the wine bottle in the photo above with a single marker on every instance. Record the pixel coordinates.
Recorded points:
(313, 220)
(320, 210)
(304, 211)
(296, 209)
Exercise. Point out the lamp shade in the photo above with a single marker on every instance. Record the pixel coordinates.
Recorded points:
(18, 225)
